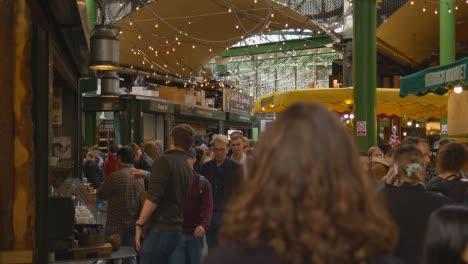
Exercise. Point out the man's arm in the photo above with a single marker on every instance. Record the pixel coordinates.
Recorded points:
(207, 206)
(148, 209)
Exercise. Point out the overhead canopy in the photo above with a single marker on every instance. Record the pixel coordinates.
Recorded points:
(204, 24)
(389, 103)
(411, 36)
(436, 80)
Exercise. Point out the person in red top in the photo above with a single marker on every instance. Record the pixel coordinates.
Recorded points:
(111, 165)
(198, 210)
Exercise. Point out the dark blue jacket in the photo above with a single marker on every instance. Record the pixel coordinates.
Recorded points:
(222, 187)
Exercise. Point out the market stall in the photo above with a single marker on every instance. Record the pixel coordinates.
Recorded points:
(451, 78)
(389, 103)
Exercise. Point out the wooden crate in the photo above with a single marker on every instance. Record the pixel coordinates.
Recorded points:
(92, 252)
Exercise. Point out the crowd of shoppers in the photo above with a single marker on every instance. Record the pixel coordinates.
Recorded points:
(328, 203)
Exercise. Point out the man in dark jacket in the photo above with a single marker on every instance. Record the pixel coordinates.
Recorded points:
(223, 174)
(169, 185)
(198, 210)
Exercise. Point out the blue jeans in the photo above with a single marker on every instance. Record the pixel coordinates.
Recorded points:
(159, 246)
(188, 251)
(127, 239)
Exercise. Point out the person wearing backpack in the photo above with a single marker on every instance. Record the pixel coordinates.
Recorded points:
(198, 210)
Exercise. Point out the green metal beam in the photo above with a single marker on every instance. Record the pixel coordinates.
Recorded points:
(324, 54)
(287, 66)
(297, 44)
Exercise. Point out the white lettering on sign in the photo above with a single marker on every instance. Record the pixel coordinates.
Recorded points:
(162, 107)
(450, 75)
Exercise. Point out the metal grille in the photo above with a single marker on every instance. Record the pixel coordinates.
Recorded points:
(329, 13)
(387, 8)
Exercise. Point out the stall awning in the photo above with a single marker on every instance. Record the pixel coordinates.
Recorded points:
(436, 80)
(389, 103)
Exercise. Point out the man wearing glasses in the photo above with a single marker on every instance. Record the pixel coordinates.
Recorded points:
(222, 173)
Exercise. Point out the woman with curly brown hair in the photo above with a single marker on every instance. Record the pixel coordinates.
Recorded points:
(315, 207)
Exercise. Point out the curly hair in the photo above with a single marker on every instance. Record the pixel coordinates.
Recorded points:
(452, 158)
(315, 206)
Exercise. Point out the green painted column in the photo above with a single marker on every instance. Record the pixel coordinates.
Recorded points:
(447, 31)
(117, 127)
(365, 73)
(168, 124)
(221, 127)
(138, 122)
(90, 129)
(92, 12)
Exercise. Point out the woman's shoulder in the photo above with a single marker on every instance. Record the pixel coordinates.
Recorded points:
(230, 254)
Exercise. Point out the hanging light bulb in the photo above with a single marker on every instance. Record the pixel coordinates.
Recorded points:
(412, 2)
(143, 61)
(131, 66)
(456, 6)
(139, 36)
(210, 49)
(242, 36)
(450, 10)
(131, 22)
(237, 26)
(121, 4)
(284, 43)
(255, 1)
(178, 42)
(176, 37)
(193, 45)
(230, 7)
(137, 8)
(156, 25)
(156, 53)
(120, 32)
(436, 12)
(351, 3)
(189, 21)
(287, 24)
(167, 51)
(424, 8)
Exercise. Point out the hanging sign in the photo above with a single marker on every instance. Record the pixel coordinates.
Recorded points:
(237, 102)
(361, 127)
(444, 129)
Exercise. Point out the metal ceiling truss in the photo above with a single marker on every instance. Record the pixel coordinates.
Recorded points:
(303, 60)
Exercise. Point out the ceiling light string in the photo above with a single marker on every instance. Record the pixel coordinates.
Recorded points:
(202, 40)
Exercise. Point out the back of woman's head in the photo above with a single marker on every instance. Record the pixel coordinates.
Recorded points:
(452, 158)
(306, 197)
(151, 149)
(410, 162)
(446, 235)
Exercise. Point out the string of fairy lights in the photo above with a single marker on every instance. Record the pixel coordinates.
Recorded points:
(182, 31)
